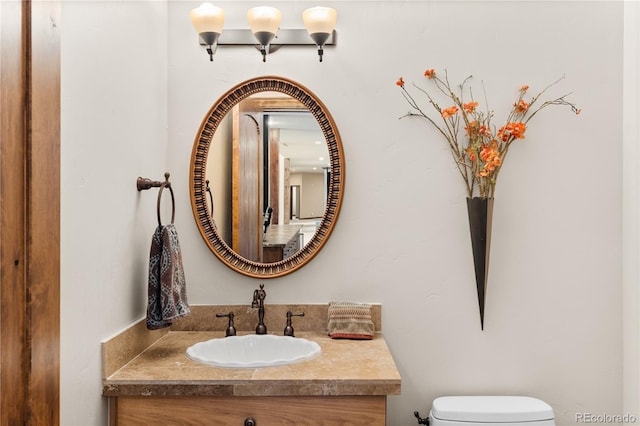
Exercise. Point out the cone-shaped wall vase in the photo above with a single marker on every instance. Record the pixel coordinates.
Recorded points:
(480, 214)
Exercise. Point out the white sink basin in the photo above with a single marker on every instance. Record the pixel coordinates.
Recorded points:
(253, 351)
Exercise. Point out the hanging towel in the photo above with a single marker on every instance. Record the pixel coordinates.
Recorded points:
(167, 287)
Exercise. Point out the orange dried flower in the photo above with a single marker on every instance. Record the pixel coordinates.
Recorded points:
(518, 129)
(479, 153)
(448, 112)
(487, 152)
(503, 134)
(491, 157)
(470, 106)
(475, 130)
(512, 130)
(471, 154)
(521, 107)
(472, 127)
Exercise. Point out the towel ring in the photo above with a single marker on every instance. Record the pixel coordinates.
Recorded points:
(145, 183)
(166, 184)
(210, 196)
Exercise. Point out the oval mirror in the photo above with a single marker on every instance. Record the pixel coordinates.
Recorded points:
(267, 177)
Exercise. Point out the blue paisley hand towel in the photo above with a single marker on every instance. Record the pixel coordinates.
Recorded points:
(167, 287)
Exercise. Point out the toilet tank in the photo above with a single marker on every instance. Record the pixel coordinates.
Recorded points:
(490, 411)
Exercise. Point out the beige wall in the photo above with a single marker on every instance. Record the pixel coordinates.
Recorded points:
(553, 318)
(114, 104)
(312, 194)
(553, 325)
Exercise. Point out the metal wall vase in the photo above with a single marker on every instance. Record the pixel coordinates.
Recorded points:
(480, 216)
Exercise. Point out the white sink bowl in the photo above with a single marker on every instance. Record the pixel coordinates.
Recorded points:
(252, 351)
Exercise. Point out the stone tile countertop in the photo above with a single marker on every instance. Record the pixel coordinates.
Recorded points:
(345, 367)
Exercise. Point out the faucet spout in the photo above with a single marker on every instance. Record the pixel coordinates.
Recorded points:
(258, 302)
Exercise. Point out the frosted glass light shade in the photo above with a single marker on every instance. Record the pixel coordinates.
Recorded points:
(320, 19)
(264, 19)
(207, 18)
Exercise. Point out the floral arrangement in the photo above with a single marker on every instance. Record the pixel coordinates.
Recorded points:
(480, 153)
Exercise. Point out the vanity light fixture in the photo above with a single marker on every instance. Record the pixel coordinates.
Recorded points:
(320, 22)
(264, 22)
(208, 21)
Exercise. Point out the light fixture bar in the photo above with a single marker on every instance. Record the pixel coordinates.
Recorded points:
(282, 38)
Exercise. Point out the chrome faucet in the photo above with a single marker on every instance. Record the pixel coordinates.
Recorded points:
(258, 302)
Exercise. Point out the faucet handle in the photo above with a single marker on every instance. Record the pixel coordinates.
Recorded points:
(231, 329)
(288, 330)
(258, 297)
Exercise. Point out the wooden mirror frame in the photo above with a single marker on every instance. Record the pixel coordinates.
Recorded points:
(197, 176)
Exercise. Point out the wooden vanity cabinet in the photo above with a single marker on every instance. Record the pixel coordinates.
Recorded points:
(155, 382)
(280, 242)
(235, 410)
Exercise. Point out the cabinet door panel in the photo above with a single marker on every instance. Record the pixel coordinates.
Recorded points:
(266, 411)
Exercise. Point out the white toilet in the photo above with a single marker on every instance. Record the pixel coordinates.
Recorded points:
(490, 411)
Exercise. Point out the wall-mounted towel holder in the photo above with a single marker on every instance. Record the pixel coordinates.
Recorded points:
(145, 183)
(210, 195)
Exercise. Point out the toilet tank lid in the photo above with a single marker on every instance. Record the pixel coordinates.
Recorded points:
(497, 409)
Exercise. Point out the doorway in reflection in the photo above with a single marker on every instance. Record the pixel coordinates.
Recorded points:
(295, 168)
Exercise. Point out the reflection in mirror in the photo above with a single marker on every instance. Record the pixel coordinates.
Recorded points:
(272, 157)
(294, 177)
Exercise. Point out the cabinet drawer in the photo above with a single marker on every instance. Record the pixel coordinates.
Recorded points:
(232, 411)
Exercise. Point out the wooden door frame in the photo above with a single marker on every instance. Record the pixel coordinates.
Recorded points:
(29, 212)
